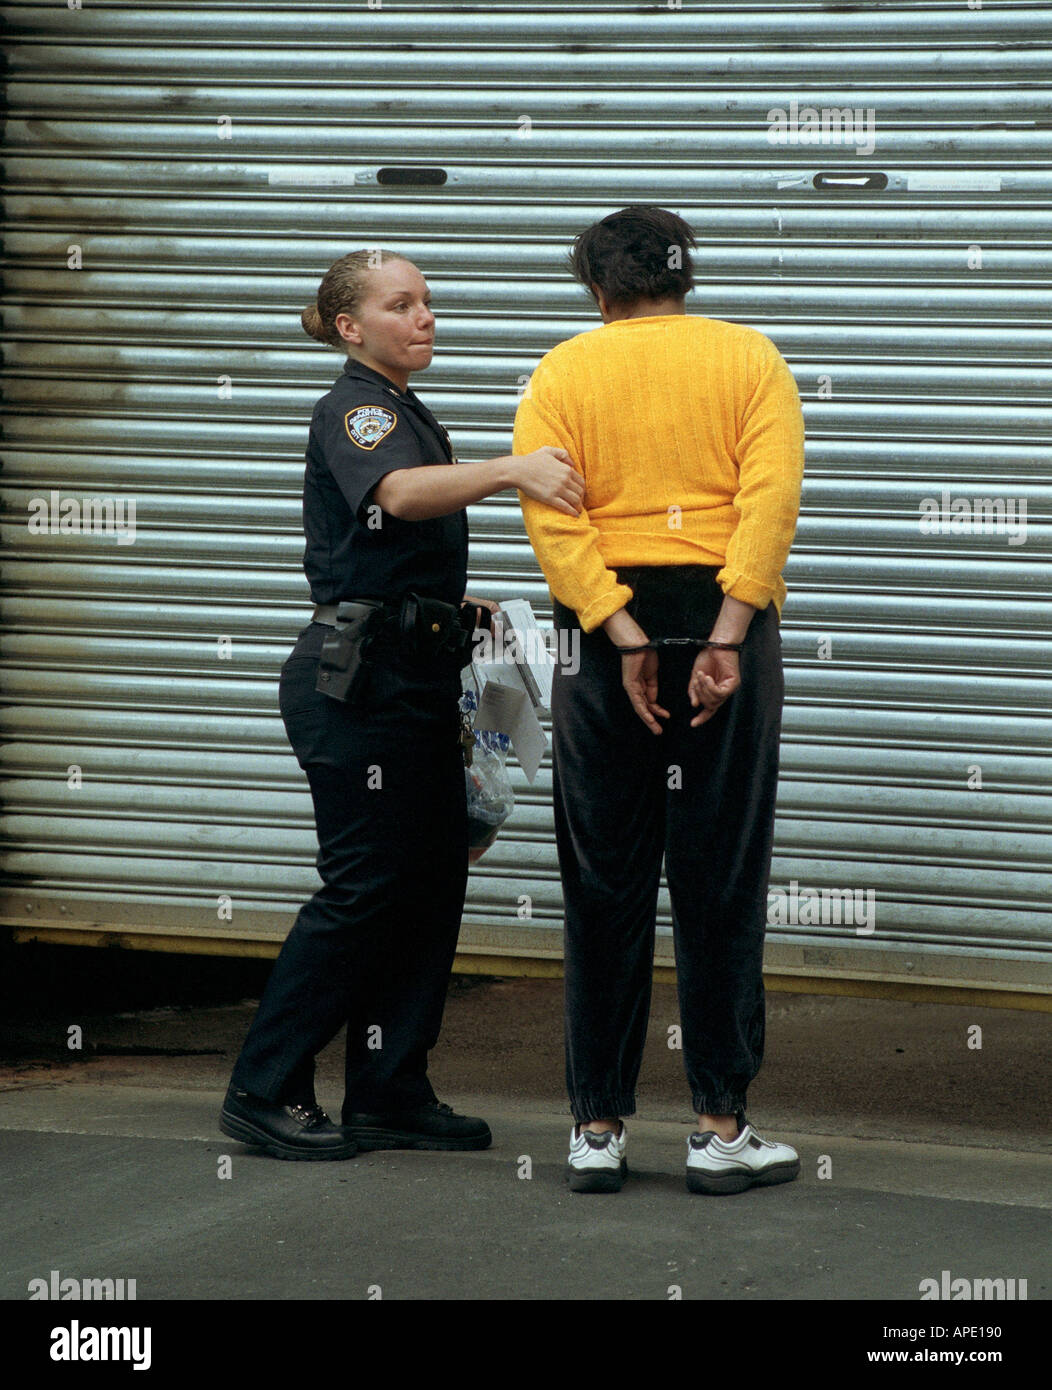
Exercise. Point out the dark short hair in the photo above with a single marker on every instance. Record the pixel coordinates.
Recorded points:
(629, 256)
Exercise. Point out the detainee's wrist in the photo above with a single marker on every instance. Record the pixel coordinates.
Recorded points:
(623, 630)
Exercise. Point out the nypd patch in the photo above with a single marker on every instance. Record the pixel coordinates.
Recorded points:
(369, 424)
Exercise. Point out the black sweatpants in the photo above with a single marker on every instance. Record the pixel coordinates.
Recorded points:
(375, 945)
(703, 799)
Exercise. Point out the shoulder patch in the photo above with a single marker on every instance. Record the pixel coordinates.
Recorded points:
(368, 424)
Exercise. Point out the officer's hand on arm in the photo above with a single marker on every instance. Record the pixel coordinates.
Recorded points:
(716, 674)
(548, 475)
(639, 670)
(415, 494)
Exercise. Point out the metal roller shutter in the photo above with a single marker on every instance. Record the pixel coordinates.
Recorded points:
(177, 180)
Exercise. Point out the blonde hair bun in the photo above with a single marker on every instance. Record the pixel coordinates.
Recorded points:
(340, 292)
(312, 324)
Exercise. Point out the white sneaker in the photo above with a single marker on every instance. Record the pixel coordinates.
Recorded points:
(715, 1165)
(597, 1161)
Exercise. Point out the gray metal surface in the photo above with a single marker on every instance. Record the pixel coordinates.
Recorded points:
(170, 369)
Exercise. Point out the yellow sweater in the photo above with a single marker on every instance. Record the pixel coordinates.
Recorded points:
(689, 435)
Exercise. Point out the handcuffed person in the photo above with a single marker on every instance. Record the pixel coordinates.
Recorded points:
(689, 434)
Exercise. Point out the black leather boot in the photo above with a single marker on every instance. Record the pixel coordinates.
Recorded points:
(295, 1131)
(430, 1126)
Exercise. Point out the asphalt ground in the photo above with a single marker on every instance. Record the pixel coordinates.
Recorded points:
(924, 1158)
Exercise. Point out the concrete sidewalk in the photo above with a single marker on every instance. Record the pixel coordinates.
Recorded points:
(936, 1156)
(123, 1181)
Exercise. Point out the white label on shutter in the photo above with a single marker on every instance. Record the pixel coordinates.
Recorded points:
(296, 173)
(958, 181)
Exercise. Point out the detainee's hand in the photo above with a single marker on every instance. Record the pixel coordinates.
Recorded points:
(639, 676)
(714, 678)
(548, 475)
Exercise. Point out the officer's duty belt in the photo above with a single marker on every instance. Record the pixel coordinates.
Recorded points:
(326, 612)
(413, 628)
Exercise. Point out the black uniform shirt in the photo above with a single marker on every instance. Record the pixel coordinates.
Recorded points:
(362, 429)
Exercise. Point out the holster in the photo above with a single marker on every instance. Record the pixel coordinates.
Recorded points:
(342, 666)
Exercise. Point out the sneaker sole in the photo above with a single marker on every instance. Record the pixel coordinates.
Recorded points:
(597, 1179)
(724, 1184)
(247, 1133)
(370, 1139)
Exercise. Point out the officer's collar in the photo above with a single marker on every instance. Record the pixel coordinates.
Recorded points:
(352, 367)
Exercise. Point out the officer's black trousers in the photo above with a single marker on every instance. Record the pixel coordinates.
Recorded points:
(701, 798)
(374, 947)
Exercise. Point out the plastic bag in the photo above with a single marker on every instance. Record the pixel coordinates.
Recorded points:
(491, 799)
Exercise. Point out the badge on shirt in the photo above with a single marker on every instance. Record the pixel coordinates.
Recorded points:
(369, 424)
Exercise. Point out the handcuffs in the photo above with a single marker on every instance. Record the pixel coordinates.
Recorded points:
(682, 642)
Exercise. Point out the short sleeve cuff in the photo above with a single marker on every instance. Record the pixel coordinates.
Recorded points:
(364, 492)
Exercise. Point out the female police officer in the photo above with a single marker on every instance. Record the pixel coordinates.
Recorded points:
(386, 555)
